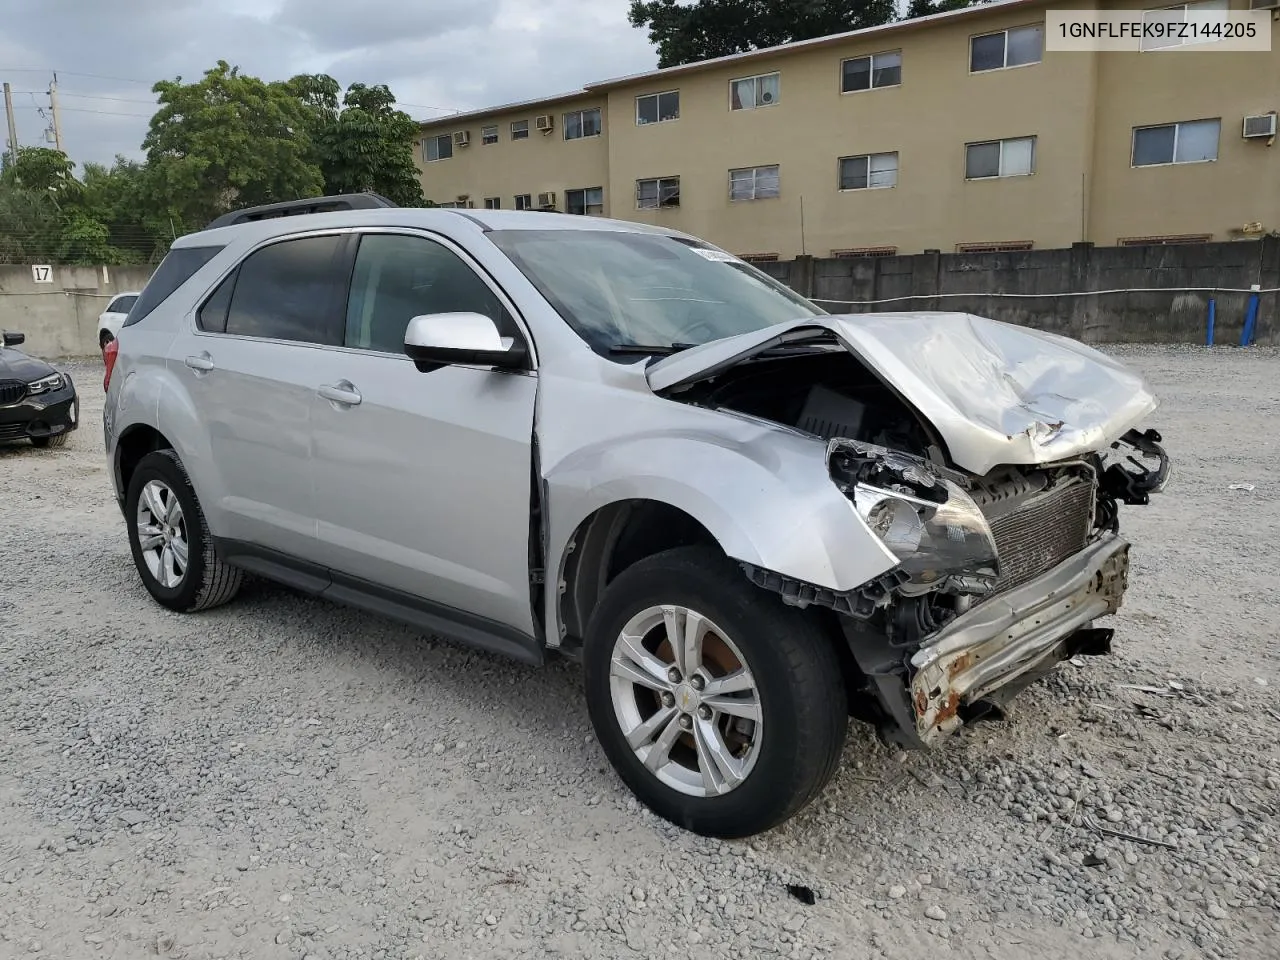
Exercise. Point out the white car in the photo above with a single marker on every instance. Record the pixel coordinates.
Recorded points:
(112, 318)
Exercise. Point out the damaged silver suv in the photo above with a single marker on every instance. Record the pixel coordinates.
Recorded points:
(536, 433)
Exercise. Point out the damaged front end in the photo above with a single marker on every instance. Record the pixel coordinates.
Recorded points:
(999, 577)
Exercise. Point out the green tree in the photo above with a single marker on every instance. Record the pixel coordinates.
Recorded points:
(687, 33)
(226, 141)
(364, 146)
(923, 8)
(30, 225)
(42, 169)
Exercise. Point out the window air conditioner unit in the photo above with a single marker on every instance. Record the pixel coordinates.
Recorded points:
(462, 138)
(547, 199)
(1262, 125)
(545, 121)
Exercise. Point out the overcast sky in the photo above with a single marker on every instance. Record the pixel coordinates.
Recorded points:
(436, 55)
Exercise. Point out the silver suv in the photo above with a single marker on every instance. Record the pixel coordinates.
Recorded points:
(545, 434)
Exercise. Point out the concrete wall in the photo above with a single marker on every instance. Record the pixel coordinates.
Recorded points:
(60, 319)
(970, 283)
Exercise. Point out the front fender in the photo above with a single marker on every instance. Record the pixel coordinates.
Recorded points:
(763, 493)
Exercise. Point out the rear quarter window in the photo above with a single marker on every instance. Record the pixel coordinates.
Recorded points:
(178, 266)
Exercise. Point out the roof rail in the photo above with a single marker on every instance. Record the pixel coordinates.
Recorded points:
(296, 208)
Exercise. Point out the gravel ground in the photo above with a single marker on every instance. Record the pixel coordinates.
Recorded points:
(284, 778)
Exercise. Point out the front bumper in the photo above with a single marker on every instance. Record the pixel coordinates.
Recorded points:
(1013, 637)
(44, 415)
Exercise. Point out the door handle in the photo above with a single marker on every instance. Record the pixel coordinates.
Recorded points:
(343, 392)
(201, 364)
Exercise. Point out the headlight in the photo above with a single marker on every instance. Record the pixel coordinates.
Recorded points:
(941, 538)
(52, 382)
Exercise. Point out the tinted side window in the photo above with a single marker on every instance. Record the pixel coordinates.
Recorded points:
(122, 304)
(397, 278)
(175, 269)
(285, 292)
(213, 315)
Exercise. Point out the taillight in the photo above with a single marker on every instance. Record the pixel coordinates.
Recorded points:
(109, 357)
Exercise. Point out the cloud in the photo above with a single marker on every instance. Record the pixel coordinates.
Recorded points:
(436, 57)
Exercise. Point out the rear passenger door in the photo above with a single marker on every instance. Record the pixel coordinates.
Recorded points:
(422, 480)
(249, 367)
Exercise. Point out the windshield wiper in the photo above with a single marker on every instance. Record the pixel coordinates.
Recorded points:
(650, 349)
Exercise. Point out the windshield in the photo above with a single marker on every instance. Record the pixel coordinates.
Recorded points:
(619, 289)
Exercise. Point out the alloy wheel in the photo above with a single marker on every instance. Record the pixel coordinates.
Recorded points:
(162, 534)
(685, 700)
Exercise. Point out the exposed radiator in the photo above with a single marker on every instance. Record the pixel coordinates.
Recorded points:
(1042, 531)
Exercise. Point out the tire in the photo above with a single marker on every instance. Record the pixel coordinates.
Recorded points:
(205, 581)
(104, 338)
(799, 696)
(57, 440)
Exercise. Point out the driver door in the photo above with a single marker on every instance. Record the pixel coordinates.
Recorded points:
(422, 480)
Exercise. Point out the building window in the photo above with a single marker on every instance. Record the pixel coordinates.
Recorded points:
(657, 193)
(582, 123)
(751, 92)
(1008, 48)
(524, 201)
(437, 148)
(754, 183)
(759, 258)
(1192, 142)
(1178, 14)
(1000, 158)
(520, 130)
(869, 172)
(588, 201)
(493, 203)
(1164, 241)
(489, 134)
(658, 107)
(857, 253)
(867, 73)
(1007, 246)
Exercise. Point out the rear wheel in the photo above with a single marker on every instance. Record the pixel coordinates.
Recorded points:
(723, 710)
(170, 540)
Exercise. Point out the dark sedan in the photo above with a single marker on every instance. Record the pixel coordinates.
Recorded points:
(37, 402)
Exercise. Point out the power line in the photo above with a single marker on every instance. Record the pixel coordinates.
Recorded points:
(91, 96)
(72, 73)
(106, 113)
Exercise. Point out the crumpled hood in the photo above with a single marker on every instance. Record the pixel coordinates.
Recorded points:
(995, 392)
(16, 365)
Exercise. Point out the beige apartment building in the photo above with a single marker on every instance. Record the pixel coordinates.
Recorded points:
(954, 132)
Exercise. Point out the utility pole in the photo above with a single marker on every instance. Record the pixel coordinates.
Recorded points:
(53, 104)
(13, 128)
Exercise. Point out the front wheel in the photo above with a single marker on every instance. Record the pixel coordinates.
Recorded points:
(723, 710)
(53, 440)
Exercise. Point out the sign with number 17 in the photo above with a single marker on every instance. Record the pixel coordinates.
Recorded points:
(41, 273)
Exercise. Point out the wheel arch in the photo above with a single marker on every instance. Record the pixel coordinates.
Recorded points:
(611, 539)
(135, 442)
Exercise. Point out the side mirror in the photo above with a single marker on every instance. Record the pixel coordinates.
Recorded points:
(14, 339)
(438, 339)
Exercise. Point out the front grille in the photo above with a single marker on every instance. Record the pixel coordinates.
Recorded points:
(1042, 531)
(12, 431)
(11, 391)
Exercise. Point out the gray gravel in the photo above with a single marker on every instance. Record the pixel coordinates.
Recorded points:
(283, 778)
